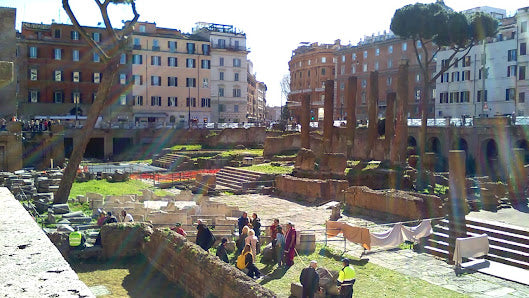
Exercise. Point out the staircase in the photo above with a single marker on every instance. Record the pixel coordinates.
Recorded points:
(236, 179)
(508, 245)
(169, 160)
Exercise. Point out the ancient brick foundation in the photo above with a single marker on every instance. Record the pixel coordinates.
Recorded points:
(310, 190)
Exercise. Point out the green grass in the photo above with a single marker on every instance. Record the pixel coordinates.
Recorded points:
(248, 152)
(112, 188)
(147, 161)
(371, 280)
(267, 168)
(188, 147)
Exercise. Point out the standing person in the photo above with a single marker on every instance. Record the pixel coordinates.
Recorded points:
(256, 225)
(205, 238)
(243, 221)
(252, 241)
(273, 231)
(102, 218)
(280, 246)
(346, 279)
(178, 228)
(310, 280)
(242, 239)
(290, 246)
(221, 250)
(76, 239)
(127, 217)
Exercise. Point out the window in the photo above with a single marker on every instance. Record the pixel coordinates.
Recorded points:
(205, 64)
(123, 100)
(221, 43)
(509, 94)
(236, 62)
(191, 82)
(172, 61)
(363, 97)
(190, 48)
(33, 96)
(172, 101)
(138, 100)
(309, 62)
(404, 46)
(443, 97)
(511, 55)
(323, 60)
(523, 48)
(417, 94)
(342, 70)
(57, 54)
(137, 59)
(96, 57)
(390, 63)
(511, 71)
(221, 61)
(205, 49)
(96, 36)
(142, 28)
(342, 85)
(343, 58)
(455, 76)
(236, 108)
(521, 97)
(353, 68)
(32, 52)
(123, 58)
(221, 91)
(138, 79)
(190, 63)
(156, 60)
(33, 74)
(465, 75)
(377, 52)
(221, 76)
(323, 71)
(205, 83)
(97, 77)
(390, 49)
(137, 45)
(76, 97)
(389, 80)
(236, 76)
(236, 92)
(364, 68)
(205, 103)
(419, 44)
(445, 78)
(58, 76)
(454, 97)
(74, 35)
(57, 33)
(365, 54)
(465, 96)
(523, 27)
(58, 97)
(376, 65)
(364, 83)
(156, 101)
(466, 61)
(191, 101)
(94, 95)
(521, 73)
(156, 81)
(76, 77)
(75, 55)
(172, 81)
(122, 79)
(155, 45)
(171, 45)
(480, 95)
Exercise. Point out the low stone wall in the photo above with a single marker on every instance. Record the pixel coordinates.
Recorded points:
(199, 273)
(310, 190)
(277, 145)
(249, 137)
(397, 203)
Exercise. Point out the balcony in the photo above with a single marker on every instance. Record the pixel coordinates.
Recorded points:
(229, 48)
(136, 47)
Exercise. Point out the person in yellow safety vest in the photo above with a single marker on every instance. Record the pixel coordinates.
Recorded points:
(76, 239)
(346, 279)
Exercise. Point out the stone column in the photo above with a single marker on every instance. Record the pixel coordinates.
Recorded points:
(305, 121)
(328, 119)
(400, 142)
(517, 178)
(350, 97)
(390, 119)
(457, 198)
(372, 108)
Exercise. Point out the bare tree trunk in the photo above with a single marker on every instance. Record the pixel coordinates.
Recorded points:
(81, 140)
(423, 107)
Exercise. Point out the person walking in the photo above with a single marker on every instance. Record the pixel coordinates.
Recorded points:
(252, 241)
(290, 246)
(310, 280)
(346, 279)
(243, 221)
(221, 250)
(280, 246)
(205, 238)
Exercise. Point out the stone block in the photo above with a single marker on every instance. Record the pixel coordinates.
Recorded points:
(94, 196)
(60, 208)
(72, 214)
(305, 160)
(205, 183)
(333, 163)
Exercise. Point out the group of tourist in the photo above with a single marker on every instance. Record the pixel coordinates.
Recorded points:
(108, 218)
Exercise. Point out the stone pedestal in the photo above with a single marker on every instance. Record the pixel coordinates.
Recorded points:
(517, 178)
(372, 110)
(350, 97)
(333, 164)
(400, 142)
(457, 197)
(305, 122)
(328, 120)
(305, 160)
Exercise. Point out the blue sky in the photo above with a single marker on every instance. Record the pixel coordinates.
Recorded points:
(274, 28)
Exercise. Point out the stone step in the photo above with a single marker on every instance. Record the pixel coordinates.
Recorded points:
(236, 176)
(436, 251)
(498, 226)
(230, 181)
(243, 171)
(491, 231)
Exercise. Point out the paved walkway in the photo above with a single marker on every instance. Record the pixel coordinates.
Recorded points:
(405, 261)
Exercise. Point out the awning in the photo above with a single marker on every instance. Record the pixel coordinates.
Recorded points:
(147, 115)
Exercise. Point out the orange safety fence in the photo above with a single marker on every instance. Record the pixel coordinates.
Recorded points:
(170, 177)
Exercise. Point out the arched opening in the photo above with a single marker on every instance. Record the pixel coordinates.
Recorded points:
(523, 145)
(489, 153)
(172, 119)
(434, 145)
(461, 144)
(381, 127)
(412, 146)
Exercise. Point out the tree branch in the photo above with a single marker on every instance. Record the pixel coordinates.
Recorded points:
(417, 55)
(128, 29)
(434, 55)
(82, 31)
(103, 7)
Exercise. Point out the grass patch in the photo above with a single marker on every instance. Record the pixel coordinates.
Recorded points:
(147, 161)
(371, 280)
(267, 168)
(247, 152)
(112, 188)
(188, 147)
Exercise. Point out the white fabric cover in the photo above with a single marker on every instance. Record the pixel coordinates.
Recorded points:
(399, 233)
(471, 247)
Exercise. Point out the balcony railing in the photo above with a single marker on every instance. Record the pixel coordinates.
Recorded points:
(229, 48)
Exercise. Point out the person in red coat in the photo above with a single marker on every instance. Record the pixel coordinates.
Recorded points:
(290, 246)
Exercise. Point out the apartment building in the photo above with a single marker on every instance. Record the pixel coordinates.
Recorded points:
(228, 71)
(256, 103)
(59, 73)
(170, 76)
(491, 79)
(310, 66)
(261, 101)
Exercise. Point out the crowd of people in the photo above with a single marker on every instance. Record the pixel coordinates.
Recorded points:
(34, 125)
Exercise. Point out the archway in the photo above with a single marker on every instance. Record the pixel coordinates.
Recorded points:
(412, 146)
(461, 144)
(489, 158)
(434, 145)
(525, 146)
